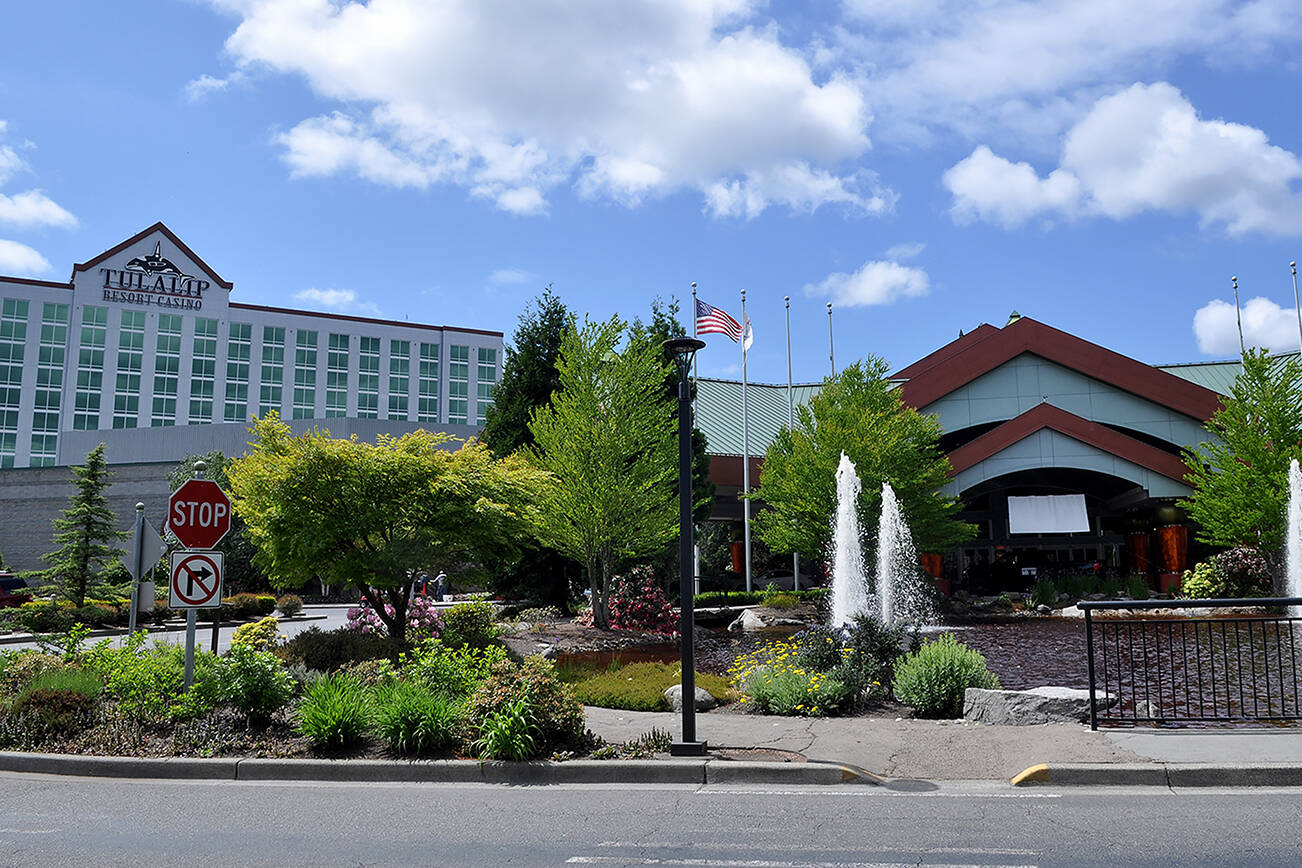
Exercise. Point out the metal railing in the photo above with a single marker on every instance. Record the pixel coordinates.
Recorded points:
(1219, 668)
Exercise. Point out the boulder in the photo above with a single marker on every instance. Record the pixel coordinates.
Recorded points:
(750, 620)
(704, 701)
(1072, 611)
(1030, 707)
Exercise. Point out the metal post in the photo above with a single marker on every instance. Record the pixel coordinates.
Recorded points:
(688, 745)
(745, 447)
(1238, 318)
(1089, 656)
(192, 615)
(1298, 306)
(137, 557)
(831, 355)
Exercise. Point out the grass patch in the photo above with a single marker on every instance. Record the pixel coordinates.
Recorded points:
(637, 686)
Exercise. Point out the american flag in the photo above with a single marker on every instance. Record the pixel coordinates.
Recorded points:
(711, 320)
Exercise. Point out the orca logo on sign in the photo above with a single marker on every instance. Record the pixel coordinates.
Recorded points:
(196, 580)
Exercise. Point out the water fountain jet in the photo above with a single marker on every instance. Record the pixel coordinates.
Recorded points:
(849, 593)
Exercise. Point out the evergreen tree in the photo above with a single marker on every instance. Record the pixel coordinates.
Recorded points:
(1240, 476)
(529, 377)
(86, 532)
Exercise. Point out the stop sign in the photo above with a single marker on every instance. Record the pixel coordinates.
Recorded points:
(199, 513)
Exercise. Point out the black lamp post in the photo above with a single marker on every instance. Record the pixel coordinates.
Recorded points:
(683, 349)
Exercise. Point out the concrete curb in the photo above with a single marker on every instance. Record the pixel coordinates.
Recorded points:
(675, 771)
(1162, 775)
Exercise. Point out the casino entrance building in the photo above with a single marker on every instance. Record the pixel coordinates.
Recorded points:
(144, 349)
(1065, 455)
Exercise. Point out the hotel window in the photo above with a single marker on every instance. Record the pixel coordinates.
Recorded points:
(90, 368)
(239, 349)
(49, 384)
(272, 393)
(167, 371)
(13, 337)
(458, 384)
(203, 370)
(305, 375)
(399, 378)
(337, 376)
(131, 357)
(427, 403)
(485, 383)
(368, 379)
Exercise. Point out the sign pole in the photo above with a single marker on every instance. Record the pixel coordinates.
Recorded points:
(192, 615)
(138, 558)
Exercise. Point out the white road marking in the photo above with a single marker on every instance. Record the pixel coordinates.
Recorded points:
(968, 851)
(770, 863)
(877, 792)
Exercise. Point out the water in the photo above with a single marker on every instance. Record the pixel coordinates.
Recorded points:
(849, 588)
(901, 595)
(1293, 574)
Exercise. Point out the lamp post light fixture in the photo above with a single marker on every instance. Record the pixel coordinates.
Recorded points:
(683, 349)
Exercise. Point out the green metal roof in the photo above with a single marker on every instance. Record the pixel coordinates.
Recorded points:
(718, 413)
(1217, 376)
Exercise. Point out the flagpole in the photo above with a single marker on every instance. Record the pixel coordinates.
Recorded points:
(745, 444)
(831, 356)
(1298, 306)
(1234, 280)
(791, 426)
(693, 335)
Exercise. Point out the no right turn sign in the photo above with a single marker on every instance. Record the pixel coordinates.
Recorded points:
(196, 580)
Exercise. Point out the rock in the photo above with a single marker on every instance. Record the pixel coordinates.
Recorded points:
(750, 620)
(1030, 707)
(1071, 612)
(1043, 609)
(704, 701)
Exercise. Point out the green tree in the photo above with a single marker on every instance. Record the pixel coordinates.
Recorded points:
(372, 516)
(239, 572)
(1240, 474)
(608, 439)
(86, 531)
(856, 412)
(529, 377)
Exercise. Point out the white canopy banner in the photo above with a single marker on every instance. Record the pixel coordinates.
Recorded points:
(1057, 513)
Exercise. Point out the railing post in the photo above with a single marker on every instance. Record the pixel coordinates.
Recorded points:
(1089, 663)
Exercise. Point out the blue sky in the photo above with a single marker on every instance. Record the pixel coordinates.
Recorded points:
(926, 166)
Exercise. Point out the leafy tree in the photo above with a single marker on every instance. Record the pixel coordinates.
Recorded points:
(608, 439)
(372, 516)
(856, 412)
(86, 531)
(529, 377)
(239, 572)
(1240, 474)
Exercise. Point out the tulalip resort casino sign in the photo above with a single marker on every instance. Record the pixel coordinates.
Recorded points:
(154, 280)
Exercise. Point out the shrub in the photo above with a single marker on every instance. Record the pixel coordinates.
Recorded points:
(25, 667)
(509, 732)
(638, 686)
(534, 686)
(423, 620)
(1080, 585)
(469, 624)
(934, 678)
(251, 605)
(1204, 582)
(329, 651)
(261, 635)
(148, 683)
(411, 719)
(1137, 588)
(254, 682)
(782, 689)
(290, 605)
(1246, 571)
(45, 617)
(60, 700)
(334, 712)
(782, 601)
(456, 672)
(1044, 593)
(637, 602)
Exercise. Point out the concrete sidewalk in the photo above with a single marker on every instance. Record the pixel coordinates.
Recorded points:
(956, 750)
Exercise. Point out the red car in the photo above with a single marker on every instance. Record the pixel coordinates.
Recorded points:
(12, 591)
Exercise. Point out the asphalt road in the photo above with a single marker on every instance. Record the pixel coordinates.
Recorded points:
(46, 820)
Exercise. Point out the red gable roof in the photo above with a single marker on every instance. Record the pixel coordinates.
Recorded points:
(171, 236)
(962, 361)
(1048, 416)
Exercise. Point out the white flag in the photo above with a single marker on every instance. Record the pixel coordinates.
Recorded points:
(747, 336)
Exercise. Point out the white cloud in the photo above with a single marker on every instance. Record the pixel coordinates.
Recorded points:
(342, 300)
(197, 89)
(1142, 149)
(21, 260)
(34, 208)
(907, 250)
(626, 102)
(876, 282)
(1265, 324)
(511, 277)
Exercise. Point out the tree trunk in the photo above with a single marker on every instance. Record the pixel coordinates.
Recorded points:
(600, 612)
